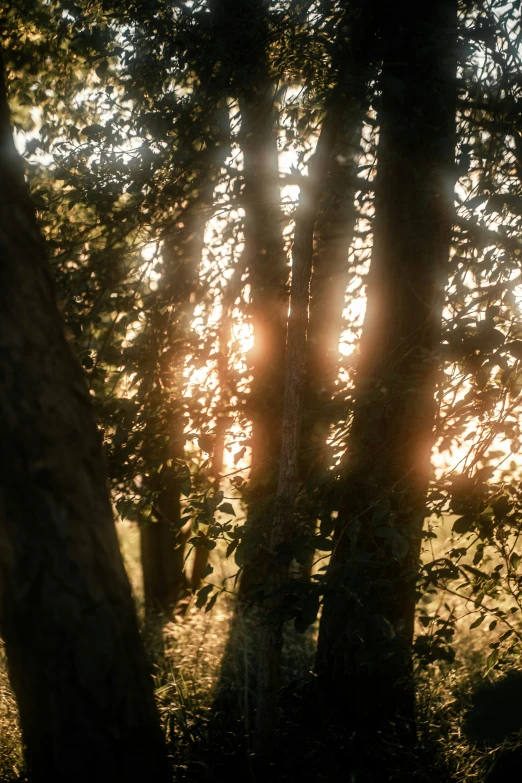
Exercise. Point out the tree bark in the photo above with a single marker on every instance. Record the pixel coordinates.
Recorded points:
(223, 422)
(245, 31)
(364, 656)
(267, 275)
(334, 235)
(67, 615)
(270, 629)
(163, 540)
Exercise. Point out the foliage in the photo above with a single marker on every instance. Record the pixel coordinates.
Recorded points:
(129, 119)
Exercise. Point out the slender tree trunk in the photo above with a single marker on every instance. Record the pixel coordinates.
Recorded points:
(162, 539)
(365, 641)
(334, 234)
(223, 423)
(268, 274)
(67, 616)
(270, 631)
(245, 31)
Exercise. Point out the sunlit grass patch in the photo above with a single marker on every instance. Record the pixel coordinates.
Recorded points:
(11, 759)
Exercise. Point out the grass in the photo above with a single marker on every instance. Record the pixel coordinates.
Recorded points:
(11, 759)
(186, 656)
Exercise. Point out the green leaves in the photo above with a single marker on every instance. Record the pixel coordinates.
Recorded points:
(492, 660)
(463, 525)
(203, 595)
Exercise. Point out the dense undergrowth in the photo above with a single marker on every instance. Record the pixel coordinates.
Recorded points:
(186, 656)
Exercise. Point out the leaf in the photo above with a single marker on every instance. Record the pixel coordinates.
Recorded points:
(492, 660)
(515, 348)
(185, 486)
(230, 548)
(206, 443)
(227, 508)
(475, 201)
(515, 561)
(477, 622)
(239, 455)
(203, 595)
(463, 525)
(322, 543)
(501, 507)
(211, 603)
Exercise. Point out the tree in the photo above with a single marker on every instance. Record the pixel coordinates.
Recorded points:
(245, 39)
(245, 59)
(334, 234)
(75, 657)
(350, 47)
(270, 630)
(364, 656)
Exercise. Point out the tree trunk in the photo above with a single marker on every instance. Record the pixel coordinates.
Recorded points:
(163, 540)
(268, 274)
(67, 616)
(223, 423)
(245, 31)
(334, 234)
(269, 632)
(365, 643)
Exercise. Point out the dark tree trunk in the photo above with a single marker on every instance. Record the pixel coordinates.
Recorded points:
(365, 641)
(245, 31)
(334, 233)
(67, 616)
(223, 423)
(267, 275)
(269, 630)
(162, 539)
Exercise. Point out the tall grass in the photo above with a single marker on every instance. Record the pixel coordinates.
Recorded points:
(186, 656)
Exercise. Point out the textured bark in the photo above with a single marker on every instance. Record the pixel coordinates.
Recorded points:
(163, 540)
(334, 233)
(269, 631)
(67, 616)
(245, 31)
(268, 274)
(365, 641)
(223, 424)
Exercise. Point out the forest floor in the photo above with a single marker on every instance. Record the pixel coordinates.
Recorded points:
(187, 655)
